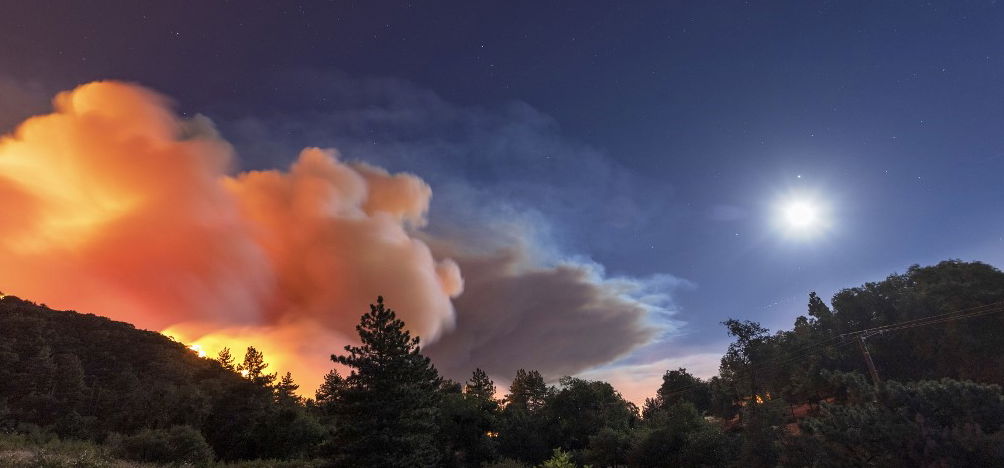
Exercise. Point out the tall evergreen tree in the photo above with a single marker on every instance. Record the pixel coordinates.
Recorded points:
(477, 440)
(285, 390)
(523, 421)
(327, 394)
(254, 366)
(528, 390)
(387, 407)
(325, 403)
(225, 359)
(481, 388)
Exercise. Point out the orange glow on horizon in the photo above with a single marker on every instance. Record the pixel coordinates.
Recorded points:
(198, 350)
(300, 349)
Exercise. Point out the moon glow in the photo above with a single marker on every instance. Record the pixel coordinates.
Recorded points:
(802, 217)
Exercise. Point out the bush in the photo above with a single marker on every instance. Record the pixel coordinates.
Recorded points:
(44, 459)
(678, 435)
(179, 444)
(561, 459)
(272, 463)
(44, 450)
(505, 463)
(927, 423)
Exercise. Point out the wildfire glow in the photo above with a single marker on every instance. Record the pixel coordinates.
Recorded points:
(198, 350)
(300, 348)
(114, 205)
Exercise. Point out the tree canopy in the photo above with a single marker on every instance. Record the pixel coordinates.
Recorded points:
(390, 397)
(797, 397)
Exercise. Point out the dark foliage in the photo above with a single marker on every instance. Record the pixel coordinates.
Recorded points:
(522, 422)
(679, 386)
(469, 421)
(84, 376)
(764, 376)
(793, 398)
(927, 423)
(179, 444)
(582, 413)
(386, 409)
(677, 435)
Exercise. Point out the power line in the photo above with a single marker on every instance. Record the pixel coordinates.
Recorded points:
(924, 321)
(949, 315)
(932, 322)
(969, 312)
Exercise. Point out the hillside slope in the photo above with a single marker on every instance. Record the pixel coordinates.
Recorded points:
(85, 376)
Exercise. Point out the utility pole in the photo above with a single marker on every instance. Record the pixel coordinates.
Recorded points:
(868, 360)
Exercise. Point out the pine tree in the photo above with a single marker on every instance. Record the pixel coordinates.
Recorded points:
(225, 359)
(387, 407)
(285, 390)
(523, 420)
(253, 368)
(528, 390)
(481, 388)
(327, 395)
(478, 441)
(330, 389)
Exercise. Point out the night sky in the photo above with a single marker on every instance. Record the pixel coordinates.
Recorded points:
(655, 140)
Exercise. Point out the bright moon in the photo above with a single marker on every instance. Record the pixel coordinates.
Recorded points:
(802, 217)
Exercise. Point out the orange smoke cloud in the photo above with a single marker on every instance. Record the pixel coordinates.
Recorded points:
(115, 206)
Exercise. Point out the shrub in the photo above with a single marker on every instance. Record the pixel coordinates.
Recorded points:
(505, 463)
(926, 423)
(561, 459)
(179, 444)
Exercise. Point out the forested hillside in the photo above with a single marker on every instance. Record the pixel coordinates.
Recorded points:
(799, 397)
(84, 376)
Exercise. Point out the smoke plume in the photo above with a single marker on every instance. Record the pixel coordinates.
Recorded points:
(559, 320)
(114, 205)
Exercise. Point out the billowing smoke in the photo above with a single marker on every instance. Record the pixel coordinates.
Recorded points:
(559, 320)
(113, 205)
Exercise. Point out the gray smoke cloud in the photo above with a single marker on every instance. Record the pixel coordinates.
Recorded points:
(560, 320)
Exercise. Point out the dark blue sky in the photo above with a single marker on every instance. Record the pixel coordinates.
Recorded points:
(654, 138)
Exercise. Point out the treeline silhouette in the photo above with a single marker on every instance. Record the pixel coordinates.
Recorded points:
(797, 397)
